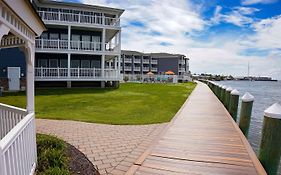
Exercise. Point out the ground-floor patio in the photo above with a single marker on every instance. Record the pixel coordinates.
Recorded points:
(112, 148)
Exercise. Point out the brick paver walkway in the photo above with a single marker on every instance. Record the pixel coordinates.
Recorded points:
(112, 148)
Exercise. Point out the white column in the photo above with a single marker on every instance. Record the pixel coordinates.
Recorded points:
(30, 56)
(119, 65)
(69, 36)
(102, 65)
(119, 41)
(115, 63)
(68, 64)
(103, 39)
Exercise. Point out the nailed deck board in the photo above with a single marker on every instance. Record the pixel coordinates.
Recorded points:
(201, 139)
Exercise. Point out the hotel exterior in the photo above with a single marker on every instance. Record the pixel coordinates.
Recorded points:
(81, 47)
(137, 64)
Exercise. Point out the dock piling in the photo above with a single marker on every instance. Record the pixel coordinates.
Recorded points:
(270, 147)
(246, 112)
(227, 97)
(233, 103)
(223, 94)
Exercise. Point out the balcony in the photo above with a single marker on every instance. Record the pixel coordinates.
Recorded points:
(154, 61)
(17, 144)
(51, 16)
(128, 68)
(145, 68)
(137, 61)
(128, 60)
(42, 74)
(182, 62)
(137, 68)
(154, 69)
(145, 61)
(181, 69)
(48, 44)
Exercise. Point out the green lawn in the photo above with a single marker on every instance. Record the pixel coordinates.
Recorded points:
(132, 103)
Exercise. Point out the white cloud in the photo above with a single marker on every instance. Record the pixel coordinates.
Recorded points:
(250, 2)
(176, 23)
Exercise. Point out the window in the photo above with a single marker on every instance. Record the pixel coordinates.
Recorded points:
(42, 63)
(63, 63)
(64, 36)
(95, 64)
(86, 42)
(85, 63)
(53, 63)
(75, 37)
(44, 36)
(75, 63)
(97, 42)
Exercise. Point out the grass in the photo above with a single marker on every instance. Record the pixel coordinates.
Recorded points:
(132, 103)
(52, 159)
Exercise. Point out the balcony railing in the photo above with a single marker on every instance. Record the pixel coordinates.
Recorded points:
(145, 61)
(17, 144)
(137, 68)
(154, 69)
(137, 60)
(145, 68)
(128, 60)
(79, 18)
(42, 73)
(128, 68)
(182, 62)
(182, 69)
(154, 61)
(48, 44)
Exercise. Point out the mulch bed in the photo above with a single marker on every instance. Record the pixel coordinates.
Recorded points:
(79, 164)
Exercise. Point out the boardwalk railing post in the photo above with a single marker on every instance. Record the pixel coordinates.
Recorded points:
(219, 92)
(233, 103)
(246, 112)
(223, 94)
(227, 97)
(217, 89)
(270, 147)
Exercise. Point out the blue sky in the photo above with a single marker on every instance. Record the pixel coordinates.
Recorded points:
(219, 36)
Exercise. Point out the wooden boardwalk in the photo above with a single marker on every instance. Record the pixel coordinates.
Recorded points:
(201, 139)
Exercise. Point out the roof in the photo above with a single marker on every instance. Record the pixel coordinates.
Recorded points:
(76, 4)
(154, 55)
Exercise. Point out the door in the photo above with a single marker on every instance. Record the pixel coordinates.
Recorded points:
(14, 78)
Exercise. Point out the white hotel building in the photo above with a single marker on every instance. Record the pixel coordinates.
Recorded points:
(81, 47)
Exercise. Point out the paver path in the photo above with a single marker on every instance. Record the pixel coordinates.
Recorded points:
(112, 148)
(201, 139)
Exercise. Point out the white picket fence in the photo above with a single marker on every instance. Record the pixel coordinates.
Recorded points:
(18, 141)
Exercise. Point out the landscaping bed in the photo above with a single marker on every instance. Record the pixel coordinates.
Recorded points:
(132, 103)
(55, 157)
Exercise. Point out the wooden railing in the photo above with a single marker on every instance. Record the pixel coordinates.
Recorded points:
(74, 73)
(79, 18)
(18, 141)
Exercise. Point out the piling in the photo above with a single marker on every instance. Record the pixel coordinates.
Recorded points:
(219, 92)
(270, 147)
(227, 97)
(246, 112)
(223, 93)
(233, 103)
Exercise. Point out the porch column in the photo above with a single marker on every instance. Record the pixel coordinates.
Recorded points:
(30, 56)
(68, 64)
(102, 65)
(119, 65)
(69, 36)
(115, 63)
(103, 39)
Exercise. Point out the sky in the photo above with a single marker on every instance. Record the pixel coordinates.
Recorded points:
(219, 36)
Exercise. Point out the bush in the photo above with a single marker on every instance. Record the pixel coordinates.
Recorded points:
(51, 156)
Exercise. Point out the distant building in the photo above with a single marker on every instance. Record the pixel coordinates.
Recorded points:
(135, 63)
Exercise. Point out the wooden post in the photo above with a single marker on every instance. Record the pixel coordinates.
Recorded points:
(223, 94)
(270, 147)
(233, 103)
(246, 112)
(227, 97)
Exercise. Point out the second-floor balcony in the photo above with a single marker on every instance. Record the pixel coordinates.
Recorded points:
(145, 61)
(128, 60)
(137, 68)
(154, 61)
(52, 16)
(128, 68)
(145, 68)
(136, 60)
(49, 44)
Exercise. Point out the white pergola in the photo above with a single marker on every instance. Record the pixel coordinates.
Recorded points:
(19, 25)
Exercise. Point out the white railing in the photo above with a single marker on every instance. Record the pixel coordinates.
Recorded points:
(154, 61)
(128, 60)
(79, 18)
(75, 73)
(145, 61)
(154, 69)
(18, 141)
(128, 68)
(182, 62)
(137, 60)
(137, 68)
(145, 68)
(182, 69)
